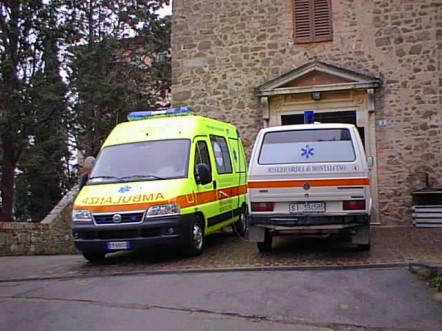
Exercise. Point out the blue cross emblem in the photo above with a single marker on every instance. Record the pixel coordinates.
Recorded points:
(124, 189)
(307, 151)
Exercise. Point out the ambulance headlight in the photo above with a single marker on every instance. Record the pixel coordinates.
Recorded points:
(81, 216)
(161, 210)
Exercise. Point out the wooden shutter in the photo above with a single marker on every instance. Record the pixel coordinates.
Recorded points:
(312, 20)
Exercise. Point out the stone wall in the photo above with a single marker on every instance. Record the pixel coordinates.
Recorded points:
(51, 236)
(223, 49)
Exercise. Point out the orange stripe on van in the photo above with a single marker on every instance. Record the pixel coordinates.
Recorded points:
(312, 182)
(185, 201)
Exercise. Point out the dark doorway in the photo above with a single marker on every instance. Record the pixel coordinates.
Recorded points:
(347, 117)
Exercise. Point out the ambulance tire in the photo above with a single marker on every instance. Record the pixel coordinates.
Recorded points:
(196, 238)
(240, 226)
(93, 256)
(364, 247)
(266, 245)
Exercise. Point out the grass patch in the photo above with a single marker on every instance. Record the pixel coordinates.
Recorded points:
(436, 282)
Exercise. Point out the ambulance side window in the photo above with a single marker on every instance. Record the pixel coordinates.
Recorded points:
(222, 155)
(202, 154)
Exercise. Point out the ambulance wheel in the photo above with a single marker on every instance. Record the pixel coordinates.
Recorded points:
(196, 238)
(240, 226)
(266, 245)
(93, 256)
(364, 247)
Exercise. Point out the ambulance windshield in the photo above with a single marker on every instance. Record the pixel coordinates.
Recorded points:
(307, 146)
(147, 160)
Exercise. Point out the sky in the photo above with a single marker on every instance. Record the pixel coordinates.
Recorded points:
(167, 10)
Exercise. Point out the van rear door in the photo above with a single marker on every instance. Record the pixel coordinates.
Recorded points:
(308, 170)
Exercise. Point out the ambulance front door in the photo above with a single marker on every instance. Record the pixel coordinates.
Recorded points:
(206, 194)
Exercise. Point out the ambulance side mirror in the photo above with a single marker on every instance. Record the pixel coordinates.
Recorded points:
(82, 180)
(202, 174)
(88, 165)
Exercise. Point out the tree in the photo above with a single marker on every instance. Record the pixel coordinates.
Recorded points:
(112, 70)
(19, 59)
(43, 175)
(107, 77)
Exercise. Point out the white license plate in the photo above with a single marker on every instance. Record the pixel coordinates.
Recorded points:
(307, 207)
(118, 245)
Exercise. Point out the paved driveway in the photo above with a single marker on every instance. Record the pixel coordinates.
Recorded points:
(381, 299)
(391, 246)
(302, 284)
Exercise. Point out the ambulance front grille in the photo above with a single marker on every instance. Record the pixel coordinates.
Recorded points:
(103, 219)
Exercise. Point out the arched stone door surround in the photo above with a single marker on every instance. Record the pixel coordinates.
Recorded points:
(326, 89)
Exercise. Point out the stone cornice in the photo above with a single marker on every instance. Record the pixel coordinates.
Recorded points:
(356, 80)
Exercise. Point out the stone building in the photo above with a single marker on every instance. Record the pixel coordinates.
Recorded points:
(374, 63)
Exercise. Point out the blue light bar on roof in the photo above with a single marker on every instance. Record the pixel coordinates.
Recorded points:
(309, 117)
(145, 114)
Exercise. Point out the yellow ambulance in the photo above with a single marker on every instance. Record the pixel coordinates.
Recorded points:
(164, 177)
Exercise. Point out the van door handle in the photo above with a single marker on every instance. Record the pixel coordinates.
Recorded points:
(214, 184)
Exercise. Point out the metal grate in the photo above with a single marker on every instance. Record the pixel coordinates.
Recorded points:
(427, 208)
(103, 219)
(427, 216)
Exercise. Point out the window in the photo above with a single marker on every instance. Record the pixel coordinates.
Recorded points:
(140, 161)
(307, 146)
(222, 156)
(202, 154)
(312, 21)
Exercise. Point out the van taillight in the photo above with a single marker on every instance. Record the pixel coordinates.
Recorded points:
(353, 205)
(262, 206)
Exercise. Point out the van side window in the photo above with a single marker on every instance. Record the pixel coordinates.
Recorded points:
(202, 154)
(222, 155)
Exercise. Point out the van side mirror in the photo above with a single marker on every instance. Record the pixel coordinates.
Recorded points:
(202, 174)
(370, 161)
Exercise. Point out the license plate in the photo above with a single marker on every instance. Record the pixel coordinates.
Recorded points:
(307, 207)
(118, 245)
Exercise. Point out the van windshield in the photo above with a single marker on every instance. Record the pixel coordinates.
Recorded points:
(307, 146)
(147, 160)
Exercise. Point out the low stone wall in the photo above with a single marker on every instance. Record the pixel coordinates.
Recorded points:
(50, 237)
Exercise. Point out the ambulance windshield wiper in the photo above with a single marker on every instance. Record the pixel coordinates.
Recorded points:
(135, 177)
(107, 177)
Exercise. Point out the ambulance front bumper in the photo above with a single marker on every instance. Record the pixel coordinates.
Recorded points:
(170, 231)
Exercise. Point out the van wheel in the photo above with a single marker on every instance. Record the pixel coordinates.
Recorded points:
(240, 226)
(266, 245)
(196, 238)
(93, 256)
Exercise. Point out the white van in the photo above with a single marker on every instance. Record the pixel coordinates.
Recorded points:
(309, 179)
